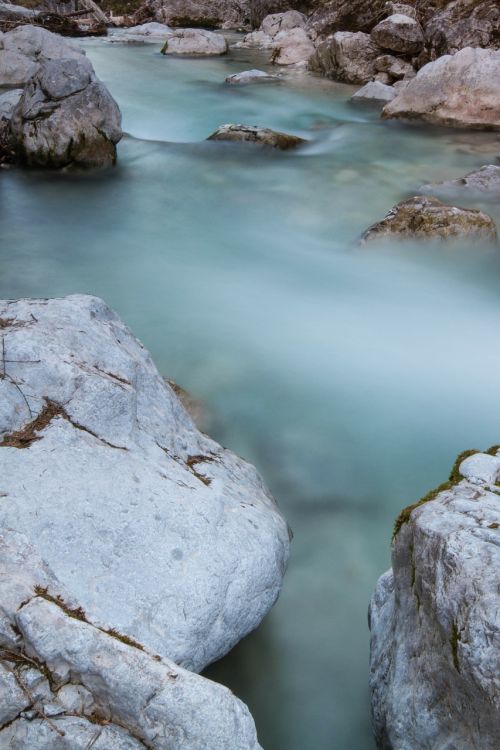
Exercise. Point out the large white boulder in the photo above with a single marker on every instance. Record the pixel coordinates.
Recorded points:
(460, 90)
(435, 620)
(152, 526)
(69, 684)
(25, 48)
(292, 47)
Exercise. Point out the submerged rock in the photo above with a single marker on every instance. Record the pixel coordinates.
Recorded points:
(399, 33)
(25, 48)
(436, 94)
(66, 682)
(484, 181)
(247, 77)
(434, 619)
(150, 525)
(66, 117)
(348, 57)
(374, 92)
(426, 218)
(195, 42)
(255, 134)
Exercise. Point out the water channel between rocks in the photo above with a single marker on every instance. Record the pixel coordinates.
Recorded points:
(350, 376)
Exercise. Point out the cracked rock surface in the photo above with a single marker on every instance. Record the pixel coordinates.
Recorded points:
(66, 117)
(67, 684)
(435, 619)
(152, 527)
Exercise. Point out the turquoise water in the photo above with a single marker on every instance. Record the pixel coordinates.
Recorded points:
(351, 377)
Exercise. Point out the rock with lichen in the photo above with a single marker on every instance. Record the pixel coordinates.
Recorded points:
(426, 218)
(153, 527)
(435, 621)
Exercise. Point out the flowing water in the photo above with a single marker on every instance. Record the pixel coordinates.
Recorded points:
(350, 376)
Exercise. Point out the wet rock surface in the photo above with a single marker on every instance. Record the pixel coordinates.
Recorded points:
(256, 135)
(426, 218)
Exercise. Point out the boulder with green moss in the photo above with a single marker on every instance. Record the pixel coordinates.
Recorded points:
(435, 621)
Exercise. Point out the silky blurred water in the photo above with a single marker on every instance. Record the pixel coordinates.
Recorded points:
(351, 377)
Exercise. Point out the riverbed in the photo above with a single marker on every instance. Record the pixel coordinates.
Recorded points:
(350, 376)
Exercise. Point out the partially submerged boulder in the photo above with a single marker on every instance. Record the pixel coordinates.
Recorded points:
(195, 42)
(399, 33)
(374, 92)
(484, 181)
(426, 218)
(257, 135)
(151, 526)
(66, 117)
(247, 77)
(437, 94)
(434, 618)
(66, 682)
(25, 48)
(348, 57)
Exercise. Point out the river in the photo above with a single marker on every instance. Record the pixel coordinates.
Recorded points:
(350, 376)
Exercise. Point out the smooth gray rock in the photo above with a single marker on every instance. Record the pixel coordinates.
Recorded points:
(12, 698)
(175, 541)
(484, 181)
(66, 117)
(195, 42)
(435, 622)
(25, 48)
(256, 135)
(436, 94)
(374, 92)
(399, 33)
(246, 77)
(346, 56)
(8, 101)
